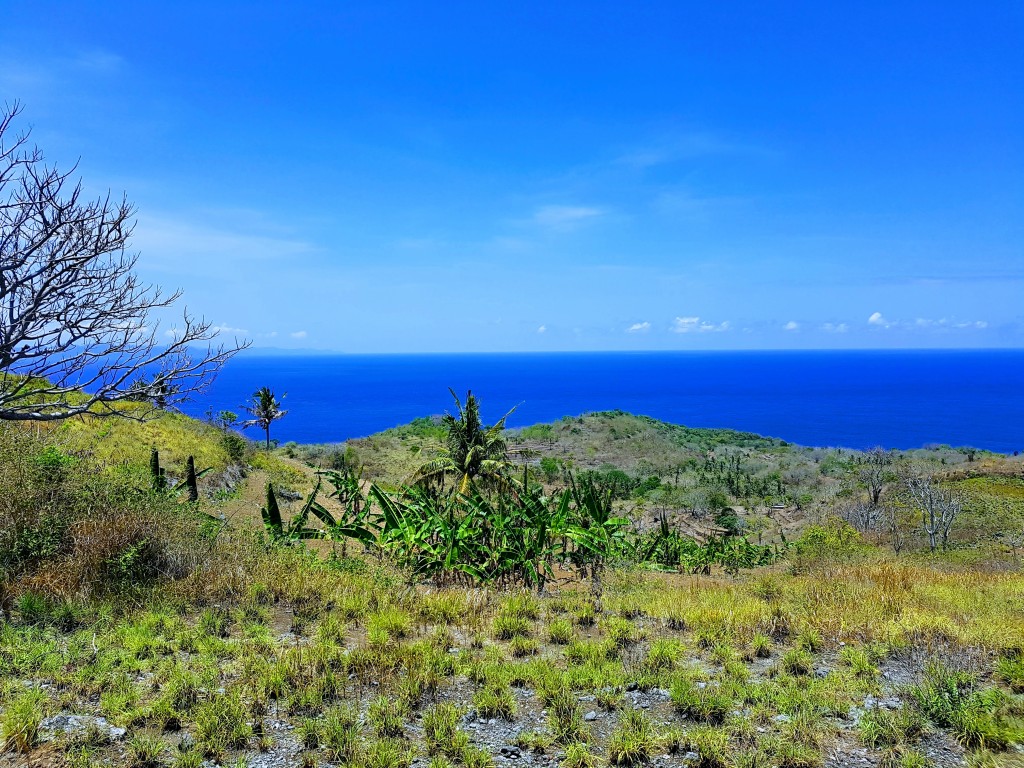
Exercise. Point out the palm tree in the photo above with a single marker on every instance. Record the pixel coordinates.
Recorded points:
(265, 410)
(471, 449)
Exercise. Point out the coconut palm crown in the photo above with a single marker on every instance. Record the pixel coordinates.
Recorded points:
(472, 451)
(265, 410)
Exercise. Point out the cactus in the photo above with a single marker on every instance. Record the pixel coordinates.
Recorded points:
(191, 483)
(159, 478)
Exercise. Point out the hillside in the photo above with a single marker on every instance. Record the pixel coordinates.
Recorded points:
(681, 472)
(141, 630)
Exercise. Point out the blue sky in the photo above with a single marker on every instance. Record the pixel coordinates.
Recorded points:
(388, 177)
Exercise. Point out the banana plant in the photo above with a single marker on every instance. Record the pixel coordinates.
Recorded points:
(355, 521)
(297, 529)
(599, 534)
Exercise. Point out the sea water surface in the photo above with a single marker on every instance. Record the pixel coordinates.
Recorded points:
(857, 399)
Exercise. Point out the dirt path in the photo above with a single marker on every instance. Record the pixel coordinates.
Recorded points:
(243, 509)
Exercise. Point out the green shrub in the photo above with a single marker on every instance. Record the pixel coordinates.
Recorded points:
(508, 627)
(662, 655)
(19, 723)
(809, 640)
(797, 662)
(711, 746)
(494, 701)
(340, 736)
(633, 742)
(951, 699)
(859, 662)
(221, 724)
(386, 716)
(565, 718)
(1011, 671)
(560, 632)
(389, 753)
(578, 756)
(145, 751)
(521, 647)
(476, 757)
(706, 704)
(235, 446)
(761, 646)
(887, 728)
(440, 729)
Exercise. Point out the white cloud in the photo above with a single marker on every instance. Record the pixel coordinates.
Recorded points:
(298, 334)
(696, 325)
(792, 325)
(876, 319)
(685, 324)
(639, 327)
(542, 329)
(225, 328)
(169, 242)
(835, 327)
(564, 217)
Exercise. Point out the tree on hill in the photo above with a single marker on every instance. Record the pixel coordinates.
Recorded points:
(472, 450)
(265, 409)
(77, 332)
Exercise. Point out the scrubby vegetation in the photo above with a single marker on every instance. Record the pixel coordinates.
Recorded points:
(615, 608)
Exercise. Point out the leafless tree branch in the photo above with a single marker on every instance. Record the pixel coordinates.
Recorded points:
(76, 327)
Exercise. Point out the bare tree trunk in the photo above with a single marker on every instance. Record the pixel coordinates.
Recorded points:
(596, 587)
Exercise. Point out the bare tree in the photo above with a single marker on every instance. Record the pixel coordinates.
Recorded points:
(77, 332)
(876, 471)
(939, 508)
(897, 522)
(863, 516)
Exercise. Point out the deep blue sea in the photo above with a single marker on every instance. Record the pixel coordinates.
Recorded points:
(898, 399)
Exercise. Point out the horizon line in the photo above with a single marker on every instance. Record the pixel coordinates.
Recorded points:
(286, 351)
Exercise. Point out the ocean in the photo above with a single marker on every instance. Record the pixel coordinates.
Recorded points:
(854, 399)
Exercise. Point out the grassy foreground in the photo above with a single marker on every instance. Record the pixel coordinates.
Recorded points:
(136, 631)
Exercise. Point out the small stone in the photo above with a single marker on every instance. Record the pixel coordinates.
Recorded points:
(691, 756)
(116, 734)
(590, 716)
(631, 686)
(187, 743)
